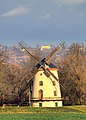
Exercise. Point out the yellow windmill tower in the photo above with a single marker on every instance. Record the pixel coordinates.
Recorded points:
(46, 87)
(46, 90)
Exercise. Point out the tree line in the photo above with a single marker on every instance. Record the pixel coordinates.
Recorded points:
(72, 75)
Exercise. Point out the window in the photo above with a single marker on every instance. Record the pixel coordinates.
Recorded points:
(40, 83)
(40, 94)
(55, 94)
(54, 83)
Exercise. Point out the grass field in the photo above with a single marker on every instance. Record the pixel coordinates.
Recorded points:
(29, 113)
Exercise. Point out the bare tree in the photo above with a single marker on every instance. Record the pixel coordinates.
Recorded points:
(73, 74)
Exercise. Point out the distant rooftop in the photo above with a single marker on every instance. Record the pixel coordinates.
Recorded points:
(46, 47)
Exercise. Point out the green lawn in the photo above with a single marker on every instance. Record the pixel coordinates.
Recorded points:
(52, 116)
(29, 113)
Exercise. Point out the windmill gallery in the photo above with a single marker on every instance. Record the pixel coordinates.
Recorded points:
(44, 85)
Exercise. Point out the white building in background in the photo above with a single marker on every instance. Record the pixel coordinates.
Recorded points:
(45, 47)
(46, 90)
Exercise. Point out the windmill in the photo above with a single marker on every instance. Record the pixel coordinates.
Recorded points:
(46, 86)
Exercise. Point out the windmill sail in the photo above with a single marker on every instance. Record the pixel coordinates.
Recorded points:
(25, 86)
(41, 64)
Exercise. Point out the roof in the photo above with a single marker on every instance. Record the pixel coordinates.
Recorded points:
(51, 67)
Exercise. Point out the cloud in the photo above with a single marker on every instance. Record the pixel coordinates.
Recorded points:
(17, 11)
(46, 16)
(71, 2)
(82, 13)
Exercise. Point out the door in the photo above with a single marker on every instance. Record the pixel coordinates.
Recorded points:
(40, 104)
(40, 94)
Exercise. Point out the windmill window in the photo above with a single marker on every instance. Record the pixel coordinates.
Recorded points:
(55, 94)
(54, 83)
(40, 83)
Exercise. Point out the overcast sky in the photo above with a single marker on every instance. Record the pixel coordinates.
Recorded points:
(42, 21)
